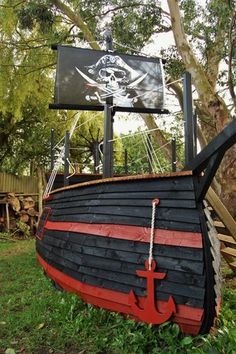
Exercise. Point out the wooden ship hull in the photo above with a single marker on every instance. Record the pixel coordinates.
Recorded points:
(144, 245)
(94, 237)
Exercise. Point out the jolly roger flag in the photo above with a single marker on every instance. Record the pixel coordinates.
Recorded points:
(87, 79)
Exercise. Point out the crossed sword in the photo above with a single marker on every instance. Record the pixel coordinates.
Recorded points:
(109, 92)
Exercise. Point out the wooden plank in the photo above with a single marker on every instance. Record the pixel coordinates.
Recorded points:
(122, 201)
(17, 184)
(229, 251)
(233, 265)
(183, 294)
(222, 212)
(127, 220)
(218, 224)
(221, 143)
(7, 217)
(169, 214)
(128, 195)
(165, 176)
(227, 239)
(126, 250)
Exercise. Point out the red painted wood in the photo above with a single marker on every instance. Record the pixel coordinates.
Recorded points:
(149, 313)
(132, 233)
(189, 318)
(189, 329)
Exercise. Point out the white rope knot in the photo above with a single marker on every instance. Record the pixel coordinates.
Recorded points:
(155, 202)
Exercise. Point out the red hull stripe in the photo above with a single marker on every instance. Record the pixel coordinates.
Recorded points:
(131, 233)
(187, 317)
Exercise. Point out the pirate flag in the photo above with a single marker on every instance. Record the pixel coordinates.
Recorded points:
(87, 79)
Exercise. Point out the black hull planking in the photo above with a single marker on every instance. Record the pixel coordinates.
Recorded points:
(94, 238)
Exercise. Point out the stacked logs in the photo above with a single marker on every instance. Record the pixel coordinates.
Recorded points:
(23, 212)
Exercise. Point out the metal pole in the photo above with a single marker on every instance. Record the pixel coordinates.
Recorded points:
(188, 118)
(173, 146)
(96, 157)
(108, 125)
(195, 133)
(52, 151)
(66, 158)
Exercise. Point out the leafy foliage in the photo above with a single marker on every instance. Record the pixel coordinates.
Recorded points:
(134, 23)
(32, 13)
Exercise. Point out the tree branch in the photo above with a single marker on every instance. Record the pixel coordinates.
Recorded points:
(78, 21)
(213, 104)
(232, 44)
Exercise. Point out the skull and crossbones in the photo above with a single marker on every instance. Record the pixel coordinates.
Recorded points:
(111, 77)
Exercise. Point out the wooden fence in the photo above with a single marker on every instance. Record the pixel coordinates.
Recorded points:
(18, 184)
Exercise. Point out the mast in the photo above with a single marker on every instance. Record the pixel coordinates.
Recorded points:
(189, 124)
(108, 123)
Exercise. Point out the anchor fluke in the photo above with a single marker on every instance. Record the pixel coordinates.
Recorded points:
(149, 313)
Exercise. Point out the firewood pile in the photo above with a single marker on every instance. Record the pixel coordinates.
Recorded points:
(23, 214)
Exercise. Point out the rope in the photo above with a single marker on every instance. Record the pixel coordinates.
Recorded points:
(148, 152)
(77, 117)
(134, 50)
(130, 135)
(59, 160)
(72, 167)
(155, 155)
(88, 120)
(155, 202)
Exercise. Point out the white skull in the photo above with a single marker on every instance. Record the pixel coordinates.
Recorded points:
(113, 77)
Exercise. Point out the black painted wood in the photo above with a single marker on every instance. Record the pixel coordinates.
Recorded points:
(169, 184)
(222, 142)
(209, 174)
(79, 241)
(173, 214)
(112, 264)
(126, 220)
(210, 158)
(42, 221)
(175, 196)
(162, 292)
(130, 203)
(111, 202)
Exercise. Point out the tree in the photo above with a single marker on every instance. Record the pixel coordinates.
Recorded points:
(205, 78)
(210, 28)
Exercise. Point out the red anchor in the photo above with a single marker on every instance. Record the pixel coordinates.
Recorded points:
(149, 313)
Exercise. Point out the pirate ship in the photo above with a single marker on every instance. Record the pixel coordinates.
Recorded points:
(142, 245)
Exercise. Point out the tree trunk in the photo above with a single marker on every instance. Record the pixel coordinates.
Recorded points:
(212, 104)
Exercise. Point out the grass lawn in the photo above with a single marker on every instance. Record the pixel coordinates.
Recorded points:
(36, 318)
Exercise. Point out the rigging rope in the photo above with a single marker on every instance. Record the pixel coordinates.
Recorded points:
(155, 155)
(155, 202)
(59, 160)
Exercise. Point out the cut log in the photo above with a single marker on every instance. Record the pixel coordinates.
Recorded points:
(28, 203)
(24, 218)
(31, 212)
(13, 201)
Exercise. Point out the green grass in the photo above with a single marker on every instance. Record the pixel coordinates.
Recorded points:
(36, 318)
